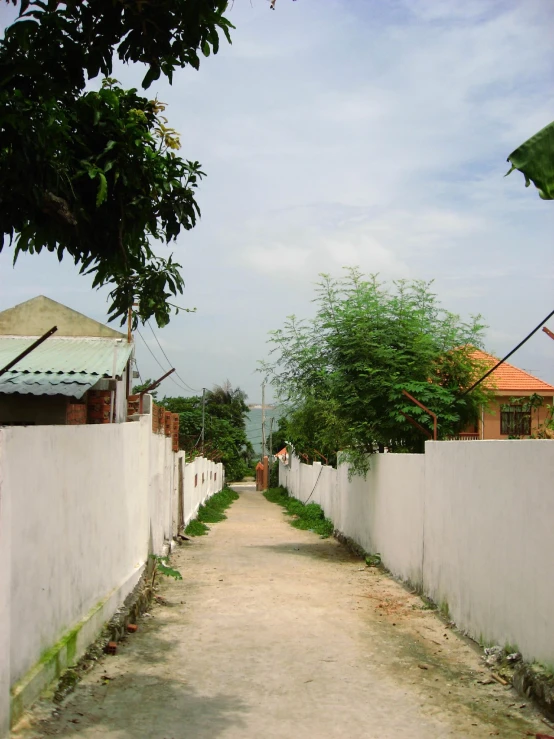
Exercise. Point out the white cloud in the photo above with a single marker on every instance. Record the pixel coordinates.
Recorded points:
(354, 132)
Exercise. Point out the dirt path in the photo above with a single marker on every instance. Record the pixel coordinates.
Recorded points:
(274, 632)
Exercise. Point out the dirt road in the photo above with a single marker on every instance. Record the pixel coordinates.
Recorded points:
(274, 632)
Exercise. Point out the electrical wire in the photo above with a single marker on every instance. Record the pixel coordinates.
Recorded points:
(138, 371)
(161, 365)
(314, 487)
(194, 390)
(508, 355)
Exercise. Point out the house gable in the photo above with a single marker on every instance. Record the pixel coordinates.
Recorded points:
(36, 316)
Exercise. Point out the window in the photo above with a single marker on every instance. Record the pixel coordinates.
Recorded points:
(196, 480)
(515, 421)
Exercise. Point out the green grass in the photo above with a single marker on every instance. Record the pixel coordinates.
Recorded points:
(308, 517)
(211, 512)
(195, 528)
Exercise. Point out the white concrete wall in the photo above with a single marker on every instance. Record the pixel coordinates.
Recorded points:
(382, 513)
(5, 576)
(198, 490)
(489, 539)
(81, 508)
(79, 521)
(470, 522)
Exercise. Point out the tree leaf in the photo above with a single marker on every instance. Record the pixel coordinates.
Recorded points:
(102, 193)
(535, 160)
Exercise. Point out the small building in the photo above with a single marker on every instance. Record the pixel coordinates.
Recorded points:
(283, 455)
(81, 374)
(510, 414)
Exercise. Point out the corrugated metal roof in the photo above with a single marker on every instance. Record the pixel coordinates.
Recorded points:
(61, 365)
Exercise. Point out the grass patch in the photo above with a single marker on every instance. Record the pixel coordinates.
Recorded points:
(308, 517)
(211, 512)
(195, 528)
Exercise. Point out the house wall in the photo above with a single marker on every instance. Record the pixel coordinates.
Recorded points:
(33, 409)
(492, 417)
(50, 410)
(85, 505)
(468, 522)
(35, 317)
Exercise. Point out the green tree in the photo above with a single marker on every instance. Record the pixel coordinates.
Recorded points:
(225, 436)
(535, 160)
(94, 175)
(143, 386)
(341, 374)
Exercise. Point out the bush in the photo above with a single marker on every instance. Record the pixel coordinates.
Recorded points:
(195, 528)
(308, 517)
(274, 475)
(211, 512)
(236, 469)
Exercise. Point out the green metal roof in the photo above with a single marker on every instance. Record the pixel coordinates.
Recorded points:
(61, 365)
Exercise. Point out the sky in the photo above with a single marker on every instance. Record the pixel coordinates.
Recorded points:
(348, 132)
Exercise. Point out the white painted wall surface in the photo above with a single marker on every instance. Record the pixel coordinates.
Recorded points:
(382, 513)
(85, 505)
(79, 524)
(489, 539)
(5, 573)
(472, 522)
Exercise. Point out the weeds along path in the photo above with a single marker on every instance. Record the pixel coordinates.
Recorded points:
(275, 632)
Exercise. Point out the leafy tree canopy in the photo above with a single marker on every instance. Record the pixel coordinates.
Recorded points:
(95, 174)
(225, 438)
(535, 159)
(143, 387)
(341, 374)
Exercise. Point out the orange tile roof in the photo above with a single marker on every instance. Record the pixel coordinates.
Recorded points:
(510, 378)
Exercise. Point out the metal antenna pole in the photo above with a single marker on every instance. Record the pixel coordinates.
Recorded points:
(28, 350)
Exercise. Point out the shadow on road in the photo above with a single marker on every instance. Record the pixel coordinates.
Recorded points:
(147, 706)
(320, 549)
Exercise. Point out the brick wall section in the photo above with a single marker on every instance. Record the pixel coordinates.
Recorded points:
(98, 403)
(161, 420)
(165, 422)
(76, 414)
(155, 419)
(133, 405)
(175, 431)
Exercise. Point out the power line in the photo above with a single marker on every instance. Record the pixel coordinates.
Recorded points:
(194, 390)
(151, 352)
(160, 364)
(138, 371)
(508, 355)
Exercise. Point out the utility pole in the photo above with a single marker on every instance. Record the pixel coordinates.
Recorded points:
(271, 438)
(203, 418)
(263, 420)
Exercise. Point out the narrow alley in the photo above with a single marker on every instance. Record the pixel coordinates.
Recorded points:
(274, 632)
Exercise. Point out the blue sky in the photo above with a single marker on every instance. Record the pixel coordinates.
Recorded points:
(350, 132)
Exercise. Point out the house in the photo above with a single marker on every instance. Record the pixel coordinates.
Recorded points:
(509, 415)
(283, 455)
(81, 374)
